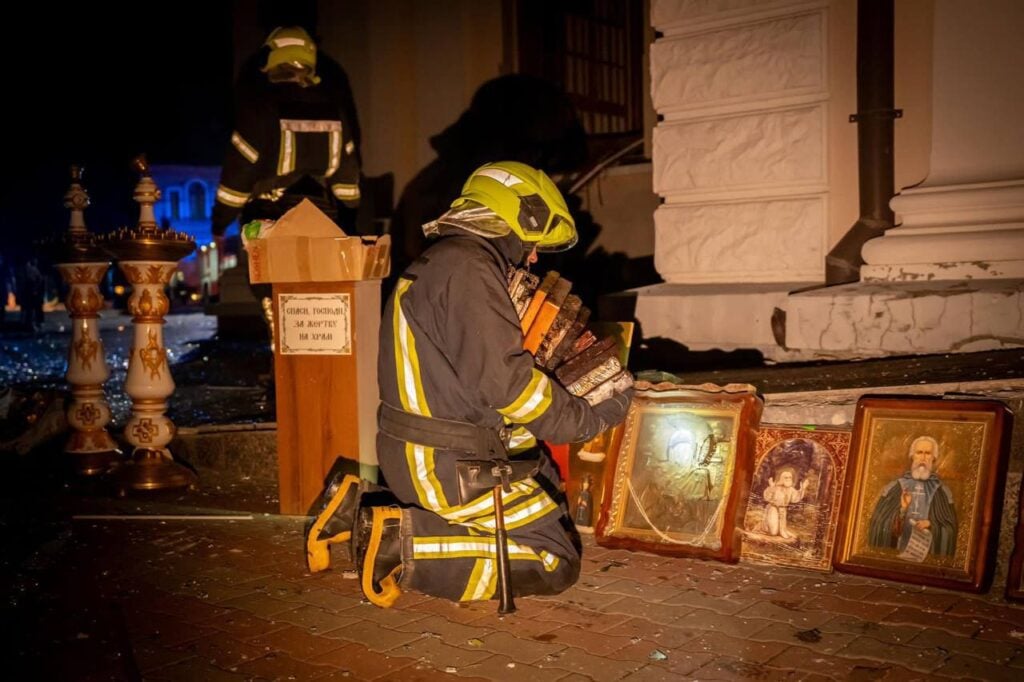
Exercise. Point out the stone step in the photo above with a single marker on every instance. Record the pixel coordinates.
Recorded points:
(885, 318)
(706, 316)
(879, 373)
(823, 393)
(243, 450)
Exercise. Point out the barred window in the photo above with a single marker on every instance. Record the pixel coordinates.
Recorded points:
(594, 50)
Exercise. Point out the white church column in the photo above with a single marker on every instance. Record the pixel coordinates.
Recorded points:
(966, 220)
(950, 277)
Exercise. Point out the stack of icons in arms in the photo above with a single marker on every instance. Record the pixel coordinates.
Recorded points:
(554, 324)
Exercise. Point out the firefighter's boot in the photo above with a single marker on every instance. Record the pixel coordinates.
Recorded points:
(333, 525)
(377, 544)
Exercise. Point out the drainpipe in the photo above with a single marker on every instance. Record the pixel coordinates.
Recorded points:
(874, 119)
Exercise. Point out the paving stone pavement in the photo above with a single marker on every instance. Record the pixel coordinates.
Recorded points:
(232, 600)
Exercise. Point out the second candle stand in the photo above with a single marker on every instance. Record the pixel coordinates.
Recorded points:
(149, 257)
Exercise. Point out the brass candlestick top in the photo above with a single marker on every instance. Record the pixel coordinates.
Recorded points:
(147, 241)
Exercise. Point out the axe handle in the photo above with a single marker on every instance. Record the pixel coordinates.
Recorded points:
(505, 603)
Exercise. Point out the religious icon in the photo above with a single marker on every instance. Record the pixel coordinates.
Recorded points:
(924, 491)
(680, 470)
(583, 510)
(794, 496)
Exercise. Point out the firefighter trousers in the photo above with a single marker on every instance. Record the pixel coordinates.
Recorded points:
(448, 547)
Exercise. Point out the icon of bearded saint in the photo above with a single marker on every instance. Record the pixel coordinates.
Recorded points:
(916, 501)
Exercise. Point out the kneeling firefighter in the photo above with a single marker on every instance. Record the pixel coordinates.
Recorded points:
(456, 384)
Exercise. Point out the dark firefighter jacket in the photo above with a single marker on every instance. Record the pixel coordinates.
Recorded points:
(451, 347)
(284, 132)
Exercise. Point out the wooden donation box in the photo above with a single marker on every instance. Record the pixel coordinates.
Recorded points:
(326, 316)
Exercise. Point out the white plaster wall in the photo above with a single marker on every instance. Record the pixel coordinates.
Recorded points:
(966, 220)
(622, 202)
(741, 155)
(838, 407)
(710, 316)
(755, 61)
(680, 14)
(766, 151)
(414, 67)
(729, 242)
(912, 75)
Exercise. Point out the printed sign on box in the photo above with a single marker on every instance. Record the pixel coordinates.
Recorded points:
(315, 324)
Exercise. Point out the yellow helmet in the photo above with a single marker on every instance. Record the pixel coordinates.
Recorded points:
(291, 45)
(526, 199)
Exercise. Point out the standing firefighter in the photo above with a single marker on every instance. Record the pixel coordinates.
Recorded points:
(456, 384)
(295, 136)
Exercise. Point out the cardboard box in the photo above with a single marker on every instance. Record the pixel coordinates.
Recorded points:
(306, 246)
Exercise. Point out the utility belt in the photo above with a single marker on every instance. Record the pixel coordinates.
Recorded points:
(443, 434)
(474, 476)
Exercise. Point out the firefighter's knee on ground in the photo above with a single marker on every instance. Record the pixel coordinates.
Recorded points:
(562, 579)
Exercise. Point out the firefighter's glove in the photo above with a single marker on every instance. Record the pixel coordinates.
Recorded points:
(613, 410)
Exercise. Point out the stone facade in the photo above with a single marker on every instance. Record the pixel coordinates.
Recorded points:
(727, 242)
(740, 158)
(743, 98)
(750, 62)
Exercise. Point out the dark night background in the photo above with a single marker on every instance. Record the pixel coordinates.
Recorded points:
(97, 87)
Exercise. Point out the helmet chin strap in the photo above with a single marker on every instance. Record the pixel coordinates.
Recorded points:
(531, 257)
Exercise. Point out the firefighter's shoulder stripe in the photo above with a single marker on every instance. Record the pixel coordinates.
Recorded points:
(231, 197)
(244, 148)
(407, 362)
(310, 125)
(531, 402)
